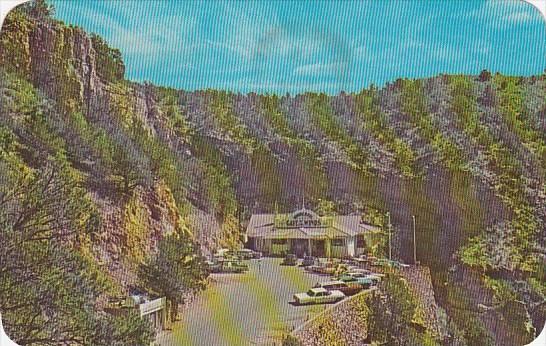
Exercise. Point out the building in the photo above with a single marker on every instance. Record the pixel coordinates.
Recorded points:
(154, 310)
(304, 232)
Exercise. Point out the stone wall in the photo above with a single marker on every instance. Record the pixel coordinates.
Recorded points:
(341, 324)
(420, 282)
(345, 323)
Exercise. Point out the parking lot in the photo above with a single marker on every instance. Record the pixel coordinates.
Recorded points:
(246, 309)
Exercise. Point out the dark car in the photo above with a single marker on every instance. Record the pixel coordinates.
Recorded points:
(364, 282)
(214, 267)
(309, 261)
(289, 260)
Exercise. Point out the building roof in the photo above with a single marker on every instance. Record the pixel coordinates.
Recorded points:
(263, 225)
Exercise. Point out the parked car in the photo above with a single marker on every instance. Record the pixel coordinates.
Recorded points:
(248, 254)
(225, 254)
(371, 259)
(322, 268)
(309, 261)
(327, 268)
(232, 255)
(214, 267)
(226, 266)
(361, 258)
(363, 282)
(375, 277)
(318, 296)
(313, 268)
(383, 262)
(233, 267)
(289, 260)
(244, 254)
(221, 252)
(348, 288)
(358, 271)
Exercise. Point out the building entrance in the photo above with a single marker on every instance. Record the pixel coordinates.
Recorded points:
(318, 248)
(299, 247)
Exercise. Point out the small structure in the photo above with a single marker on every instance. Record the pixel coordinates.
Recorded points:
(304, 232)
(154, 310)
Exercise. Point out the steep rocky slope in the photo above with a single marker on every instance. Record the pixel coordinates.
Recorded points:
(465, 154)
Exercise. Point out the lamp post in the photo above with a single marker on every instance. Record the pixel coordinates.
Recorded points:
(414, 242)
(389, 226)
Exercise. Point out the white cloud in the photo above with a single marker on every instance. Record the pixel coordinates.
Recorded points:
(229, 46)
(250, 35)
(276, 41)
(364, 53)
(149, 40)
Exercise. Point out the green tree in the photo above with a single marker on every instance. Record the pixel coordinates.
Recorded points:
(290, 340)
(109, 61)
(130, 162)
(49, 289)
(325, 207)
(127, 329)
(484, 76)
(377, 123)
(329, 123)
(176, 269)
(393, 312)
(39, 9)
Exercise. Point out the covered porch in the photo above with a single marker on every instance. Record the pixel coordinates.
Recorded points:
(307, 242)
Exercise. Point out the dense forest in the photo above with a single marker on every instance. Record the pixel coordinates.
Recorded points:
(105, 183)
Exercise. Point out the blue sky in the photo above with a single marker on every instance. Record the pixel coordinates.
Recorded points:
(281, 46)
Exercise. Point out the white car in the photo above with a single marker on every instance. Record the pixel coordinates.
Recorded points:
(359, 273)
(375, 277)
(318, 295)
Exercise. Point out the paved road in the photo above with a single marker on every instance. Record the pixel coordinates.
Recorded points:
(245, 309)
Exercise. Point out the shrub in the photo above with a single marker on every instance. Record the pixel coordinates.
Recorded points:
(290, 340)
(110, 66)
(176, 269)
(325, 119)
(376, 122)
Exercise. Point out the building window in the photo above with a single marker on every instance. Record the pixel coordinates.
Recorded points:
(360, 242)
(337, 242)
(278, 241)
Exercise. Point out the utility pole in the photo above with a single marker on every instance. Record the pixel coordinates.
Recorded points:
(389, 226)
(414, 243)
